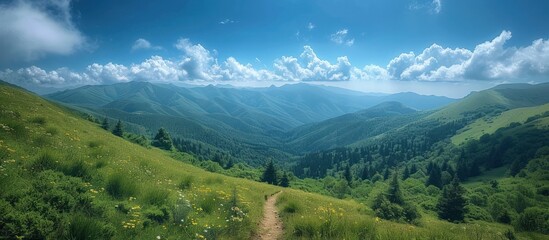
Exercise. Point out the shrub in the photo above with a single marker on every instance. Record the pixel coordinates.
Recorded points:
(477, 213)
(120, 186)
(186, 182)
(544, 190)
(533, 219)
(499, 209)
(156, 196)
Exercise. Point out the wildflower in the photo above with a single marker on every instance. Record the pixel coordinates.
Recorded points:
(158, 237)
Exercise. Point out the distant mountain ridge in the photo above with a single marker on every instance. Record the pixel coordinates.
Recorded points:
(229, 116)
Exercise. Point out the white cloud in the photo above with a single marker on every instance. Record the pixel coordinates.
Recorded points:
(408, 66)
(490, 61)
(226, 21)
(310, 26)
(197, 60)
(142, 43)
(32, 29)
(437, 6)
(108, 73)
(310, 68)
(340, 37)
(432, 6)
(233, 70)
(157, 69)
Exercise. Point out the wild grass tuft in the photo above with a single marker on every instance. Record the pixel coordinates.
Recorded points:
(52, 131)
(46, 161)
(82, 227)
(40, 120)
(95, 143)
(213, 180)
(292, 207)
(120, 186)
(78, 168)
(186, 182)
(155, 195)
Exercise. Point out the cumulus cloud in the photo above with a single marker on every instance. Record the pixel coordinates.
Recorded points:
(142, 43)
(311, 68)
(33, 29)
(231, 69)
(488, 61)
(197, 60)
(340, 37)
(157, 69)
(408, 66)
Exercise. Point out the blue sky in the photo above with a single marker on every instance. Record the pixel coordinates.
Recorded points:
(424, 46)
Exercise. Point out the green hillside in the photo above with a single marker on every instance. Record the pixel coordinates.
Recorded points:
(489, 125)
(494, 101)
(66, 178)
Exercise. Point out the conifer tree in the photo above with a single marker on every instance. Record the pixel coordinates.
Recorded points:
(105, 124)
(285, 181)
(269, 175)
(118, 129)
(394, 194)
(347, 174)
(163, 140)
(365, 173)
(451, 205)
(435, 177)
(406, 173)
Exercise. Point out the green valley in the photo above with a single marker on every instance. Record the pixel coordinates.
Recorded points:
(66, 177)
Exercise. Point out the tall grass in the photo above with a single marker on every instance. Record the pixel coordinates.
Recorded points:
(120, 185)
(155, 195)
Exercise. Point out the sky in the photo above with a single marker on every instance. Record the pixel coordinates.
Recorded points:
(439, 47)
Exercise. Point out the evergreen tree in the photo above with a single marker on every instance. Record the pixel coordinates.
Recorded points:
(105, 124)
(118, 129)
(435, 177)
(451, 205)
(394, 195)
(462, 170)
(285, 181)
(406, 173)
(365, 173)
(163, 140)
(347, 174)
(386, 173)
(269, 175)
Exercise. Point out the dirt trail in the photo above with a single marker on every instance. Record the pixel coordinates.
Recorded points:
(271, 225)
